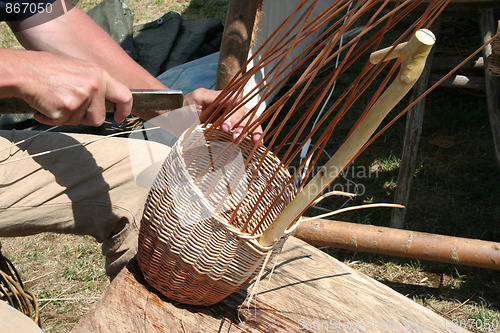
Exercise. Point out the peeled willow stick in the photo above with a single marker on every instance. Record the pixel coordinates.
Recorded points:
(413, 55)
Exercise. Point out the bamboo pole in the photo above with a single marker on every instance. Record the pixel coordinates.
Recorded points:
(402, 243)
(413, 55)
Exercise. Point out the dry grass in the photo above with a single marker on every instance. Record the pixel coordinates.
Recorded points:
(65, 272)
(455, 192)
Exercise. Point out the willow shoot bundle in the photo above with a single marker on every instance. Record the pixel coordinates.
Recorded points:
(317, 56)
(218, 211)
(413, 55)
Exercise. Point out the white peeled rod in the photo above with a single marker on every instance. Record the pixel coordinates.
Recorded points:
(413, 55)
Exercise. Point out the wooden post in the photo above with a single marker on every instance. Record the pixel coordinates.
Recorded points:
(414, 121)
(413, 56)
(488, 25)
(236, 40)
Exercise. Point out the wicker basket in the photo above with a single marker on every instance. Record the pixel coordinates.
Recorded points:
(187, 249)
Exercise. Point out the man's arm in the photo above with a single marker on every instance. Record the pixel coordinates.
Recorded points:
(81, 66)
(76, 35)
(64, 90)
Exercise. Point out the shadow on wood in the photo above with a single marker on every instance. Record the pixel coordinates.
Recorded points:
(309, 291)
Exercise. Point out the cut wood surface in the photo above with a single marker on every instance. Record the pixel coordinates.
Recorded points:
(309, 291)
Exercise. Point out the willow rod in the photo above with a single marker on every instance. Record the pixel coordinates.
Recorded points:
(278, 46)
(326, 135)
(413, 58)
(322, 141)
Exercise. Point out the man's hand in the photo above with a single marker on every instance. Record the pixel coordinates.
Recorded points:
(202, 98)
(69, 91)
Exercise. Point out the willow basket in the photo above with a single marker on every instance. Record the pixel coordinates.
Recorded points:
(187, 249)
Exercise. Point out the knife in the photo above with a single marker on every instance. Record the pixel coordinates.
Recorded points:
(144, 100)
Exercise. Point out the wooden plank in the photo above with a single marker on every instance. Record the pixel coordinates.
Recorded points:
(309, 291)
(459, 81)
(488, 27)
(273, 13)
(238, 30)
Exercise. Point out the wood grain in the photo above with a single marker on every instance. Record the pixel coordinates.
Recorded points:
(309, 291)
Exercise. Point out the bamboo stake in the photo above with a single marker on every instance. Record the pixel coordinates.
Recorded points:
(413, 56)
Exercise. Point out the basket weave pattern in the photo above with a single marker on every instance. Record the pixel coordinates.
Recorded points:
(187, 249)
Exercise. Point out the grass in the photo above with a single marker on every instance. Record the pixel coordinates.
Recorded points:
(455, 191)
(65, 272)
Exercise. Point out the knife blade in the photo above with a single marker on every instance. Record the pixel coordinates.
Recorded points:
(145, 100)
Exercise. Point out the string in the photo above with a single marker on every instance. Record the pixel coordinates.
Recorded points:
(80, 144)
(28, 139)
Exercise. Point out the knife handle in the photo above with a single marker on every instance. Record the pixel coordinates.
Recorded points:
(144, 100)
(15, 105)
(19, 106)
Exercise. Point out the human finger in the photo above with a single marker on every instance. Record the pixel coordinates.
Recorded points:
(201, 97)
(256, 135)
(95, 114)
(41, 118)
(119, 94)
(115, 92)
(77, 115)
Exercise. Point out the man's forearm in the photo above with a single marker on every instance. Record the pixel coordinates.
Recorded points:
(74, 34)
(10, 72)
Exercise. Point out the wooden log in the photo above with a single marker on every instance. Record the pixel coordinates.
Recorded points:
(450, 62)
(459, 81)
(236, 39)
(402, 243)
(488, 26)
(309, 291)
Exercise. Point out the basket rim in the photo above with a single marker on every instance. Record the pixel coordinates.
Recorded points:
(252, 238)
